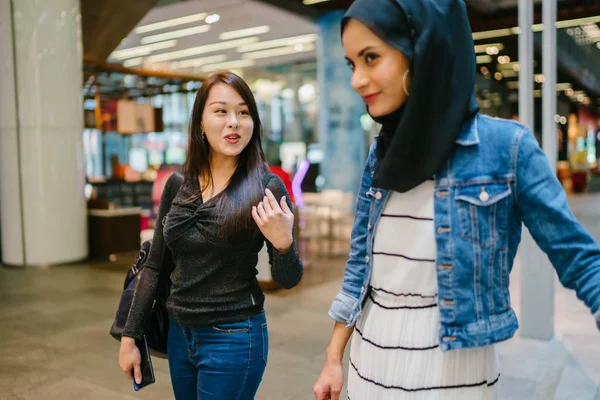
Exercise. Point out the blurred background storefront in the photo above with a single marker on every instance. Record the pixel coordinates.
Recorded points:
(142, 69)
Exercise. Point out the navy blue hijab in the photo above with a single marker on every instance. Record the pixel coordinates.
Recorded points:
(436, 36)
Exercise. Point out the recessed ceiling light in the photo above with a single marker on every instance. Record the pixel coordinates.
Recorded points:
(257, 30)
(288, 41)
(484, 59)
(196, 62)
(228, 65)
(277, 52)
(133, 62)
(175, 34)
(209, 48)
(211, 19)
(170, 23)
(142, 50)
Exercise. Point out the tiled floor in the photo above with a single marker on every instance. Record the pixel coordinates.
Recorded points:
(55, 345)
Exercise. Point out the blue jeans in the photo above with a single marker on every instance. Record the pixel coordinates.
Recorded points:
(219, 362)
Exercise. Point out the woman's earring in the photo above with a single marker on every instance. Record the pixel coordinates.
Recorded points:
(404, 82)
(203, 135)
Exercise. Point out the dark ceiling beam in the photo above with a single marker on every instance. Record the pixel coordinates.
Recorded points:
(295, 7)
(106, 22)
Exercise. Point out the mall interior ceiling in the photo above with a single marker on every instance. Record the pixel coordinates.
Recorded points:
(107, 30)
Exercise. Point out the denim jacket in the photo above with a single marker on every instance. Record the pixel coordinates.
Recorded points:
(497, 179)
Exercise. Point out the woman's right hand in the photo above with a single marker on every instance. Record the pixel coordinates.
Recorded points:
(130, 359)
(330, 382)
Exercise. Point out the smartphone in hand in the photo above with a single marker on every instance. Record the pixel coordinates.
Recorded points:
(145, 366)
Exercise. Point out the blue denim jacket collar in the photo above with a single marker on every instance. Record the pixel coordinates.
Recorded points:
(468, 133)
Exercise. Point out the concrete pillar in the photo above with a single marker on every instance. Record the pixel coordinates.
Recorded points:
(340, 108)
(295, 82)
(537, 275)
(42, 204)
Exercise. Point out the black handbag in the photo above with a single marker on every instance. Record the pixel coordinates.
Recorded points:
(157, 327)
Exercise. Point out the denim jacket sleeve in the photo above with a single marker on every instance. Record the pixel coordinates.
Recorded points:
(542, 205)
(342, 307)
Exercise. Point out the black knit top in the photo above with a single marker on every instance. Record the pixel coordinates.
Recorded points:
(213, 281)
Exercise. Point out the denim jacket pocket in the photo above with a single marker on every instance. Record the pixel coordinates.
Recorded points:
(482, 212)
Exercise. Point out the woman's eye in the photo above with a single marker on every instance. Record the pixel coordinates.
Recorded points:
(220, 111)
(350, 65)
(371, 57)
(244, 112)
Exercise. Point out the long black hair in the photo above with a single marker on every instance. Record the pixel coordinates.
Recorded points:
(245, 188)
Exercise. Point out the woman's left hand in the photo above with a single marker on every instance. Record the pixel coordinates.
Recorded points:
(275, 221)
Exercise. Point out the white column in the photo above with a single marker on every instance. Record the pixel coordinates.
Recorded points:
(537, 275)
(42, 203)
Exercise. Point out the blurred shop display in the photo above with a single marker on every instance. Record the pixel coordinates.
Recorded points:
(135, 136)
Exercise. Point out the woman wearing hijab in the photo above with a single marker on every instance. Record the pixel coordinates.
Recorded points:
(439, 212)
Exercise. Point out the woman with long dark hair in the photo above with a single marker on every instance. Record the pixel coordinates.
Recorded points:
(226, 208)
(443, 197)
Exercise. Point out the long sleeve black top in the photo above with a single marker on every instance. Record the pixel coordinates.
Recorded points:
(212, 282)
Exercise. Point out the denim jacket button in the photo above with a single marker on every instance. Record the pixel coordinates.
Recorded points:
(362, 289)
(484, 196)
(367, 259)
(378, 195)
(369, 227)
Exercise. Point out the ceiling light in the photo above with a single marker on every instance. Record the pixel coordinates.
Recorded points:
(196, 62)
(535, 28)
(209, 48)
(509, 73)
(228, 65)
(569, 92)
(575, 22)
(257, 30)
(175, 34)
(170, 23)
(563, 120)
(211, 19)
(492, 34)
(563, 86)
(539, 78)
(498, 76)
(580, 98)
(504, 59)
(133, 62)
(310, 2)
(482, 48)
(485, 70)
(484, 59)
(277, 52)
(289, 41)
(142, 50)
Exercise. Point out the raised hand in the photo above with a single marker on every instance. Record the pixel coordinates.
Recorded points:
(275, 221)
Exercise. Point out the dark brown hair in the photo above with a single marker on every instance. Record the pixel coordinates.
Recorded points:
(245, 187)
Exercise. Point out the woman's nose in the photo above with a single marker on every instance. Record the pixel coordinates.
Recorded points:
(233, 122)
(359, 80)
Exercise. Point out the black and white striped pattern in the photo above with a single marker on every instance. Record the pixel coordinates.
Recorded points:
(395, 351)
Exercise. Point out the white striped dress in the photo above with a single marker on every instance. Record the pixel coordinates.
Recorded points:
(395, 351)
